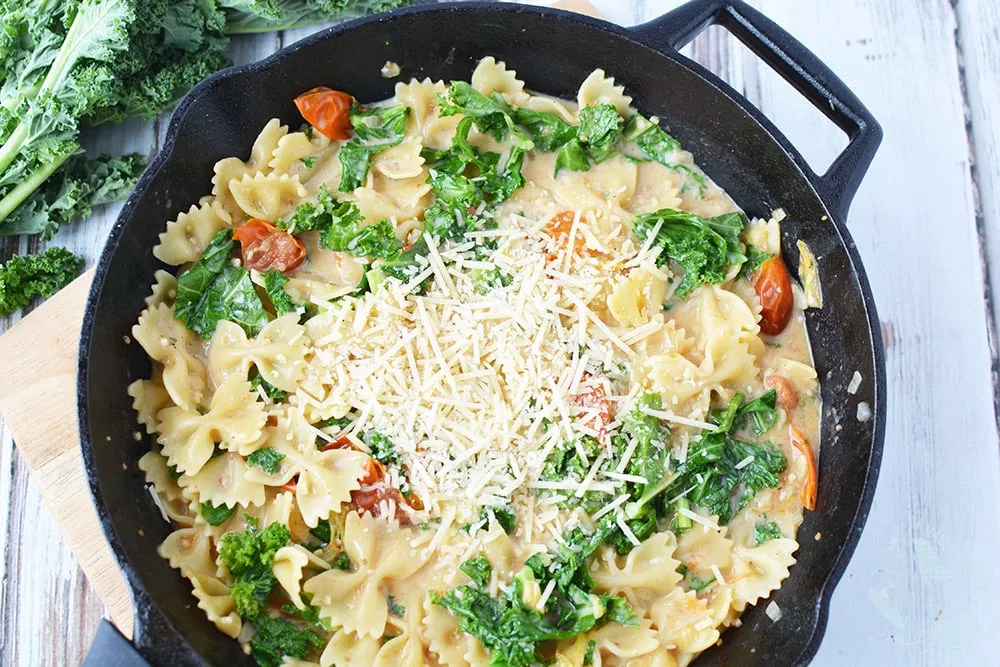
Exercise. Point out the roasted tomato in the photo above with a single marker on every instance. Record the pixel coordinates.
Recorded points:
(267, 247)
(329, 111)
(773, 286)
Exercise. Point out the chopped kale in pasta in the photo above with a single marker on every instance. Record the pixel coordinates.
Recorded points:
(496, 381)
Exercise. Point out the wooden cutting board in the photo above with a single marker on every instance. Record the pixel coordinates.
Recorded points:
(38, 359)
(38, 402)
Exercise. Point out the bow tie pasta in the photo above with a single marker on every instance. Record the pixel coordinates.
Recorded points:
(476, 376)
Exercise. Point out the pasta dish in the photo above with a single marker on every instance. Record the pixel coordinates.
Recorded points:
(476, 376)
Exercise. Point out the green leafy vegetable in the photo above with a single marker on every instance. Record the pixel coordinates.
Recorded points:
(703, 247)
(657, 145)
(276, 638)
(375, 130)
(396, 609)
(600, 130)
(274, 285)
(214, 290)
(267, 459)
(343, 562)
(503, 516)
(216, 516)
(721, 473)
(512, 629)
(478, 569)
(248, 556)
(322, 531)
(339, 224)
(491, 113)
(755, 258)
(72, 193)
(548, 132)
(384, 451)
(764, 531)
(572, 156)
(275, 395)
(26, 277)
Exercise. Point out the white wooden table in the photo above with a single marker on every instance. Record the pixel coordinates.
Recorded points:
(922, 588)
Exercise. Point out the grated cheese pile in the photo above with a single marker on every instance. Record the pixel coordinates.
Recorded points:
(476, 390)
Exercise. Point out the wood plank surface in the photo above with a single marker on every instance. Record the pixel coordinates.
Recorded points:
(927, 224)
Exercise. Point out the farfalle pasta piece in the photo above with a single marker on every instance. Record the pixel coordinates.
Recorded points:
(421, 98)
(407, 648)
(401, 200)
(148, 398)
(217, 602)
(288, 155)
(357, 600)
(452, 647)
(278, 352)
(683, 622)
(700, 547)
(267, 196)
(637, 297)
(648, 568)
(186, 238)
(164, 289)
(288, 565)
(231, 169)
(170, 497)
(400, 161)
(624, 642)
(235, 418)
(347, 649)
(190, 551)
(166, 340)
(223, 480)
(326, 481)
(759, 570)
(598, 88)
(492, 76)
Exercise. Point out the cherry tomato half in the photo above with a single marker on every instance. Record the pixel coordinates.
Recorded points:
(267, 247)
(327, 110)
(773, 286)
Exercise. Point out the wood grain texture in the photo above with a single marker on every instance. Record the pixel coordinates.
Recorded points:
(927, 223)
(979, 43)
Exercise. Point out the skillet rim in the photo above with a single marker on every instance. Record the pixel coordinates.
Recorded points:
(161, 160)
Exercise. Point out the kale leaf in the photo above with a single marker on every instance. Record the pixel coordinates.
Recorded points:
(340, 228)
(764, 531)
(478, 569)
(656, 144)
(703, 247)
(510, 628)
(248, 556)
(276, 638)
(267, 459)
(274, 285)
(216, 516)
(600, 130)
(26, 277)
(375, 130)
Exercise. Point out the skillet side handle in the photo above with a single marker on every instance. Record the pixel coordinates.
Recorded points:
(111, 649)
(796, 65)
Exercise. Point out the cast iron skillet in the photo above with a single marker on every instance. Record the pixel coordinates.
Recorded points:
(553, 51)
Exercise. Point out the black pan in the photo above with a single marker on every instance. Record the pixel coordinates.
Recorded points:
(553, 51)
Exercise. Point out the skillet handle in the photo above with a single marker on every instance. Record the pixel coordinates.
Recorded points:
(111, 649)
(796, 65)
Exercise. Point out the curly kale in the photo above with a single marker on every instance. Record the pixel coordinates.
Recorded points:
(26, 277)
(703, 247)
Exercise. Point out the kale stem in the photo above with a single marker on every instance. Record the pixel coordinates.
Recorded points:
(24, 189)
(11, 147)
